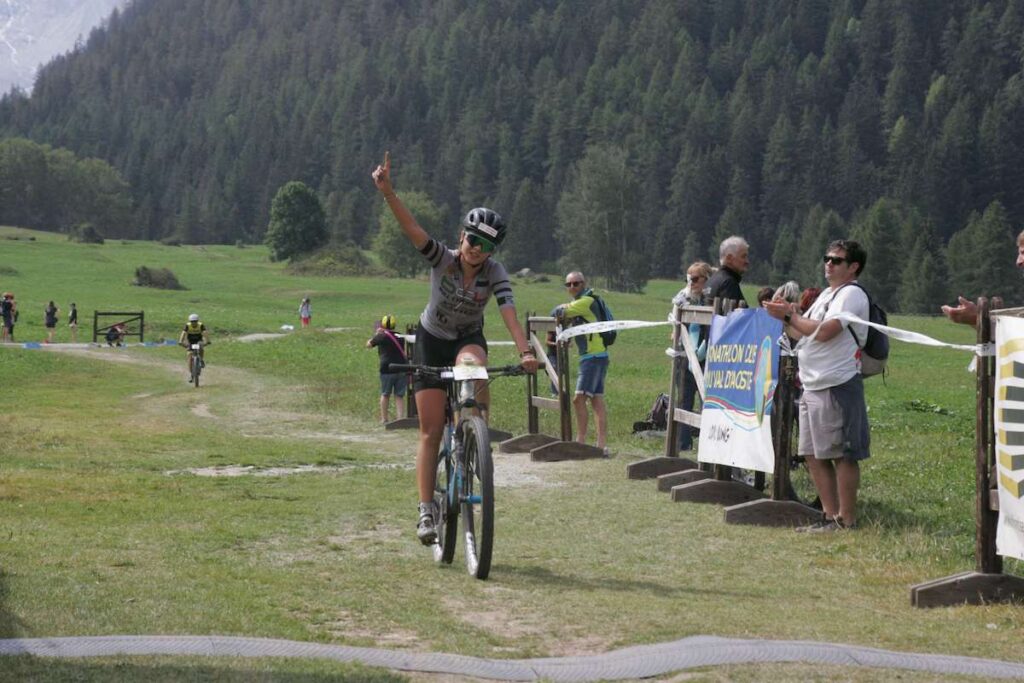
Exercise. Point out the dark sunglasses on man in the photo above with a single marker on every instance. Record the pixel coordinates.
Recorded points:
(834, 260)
(574, 283)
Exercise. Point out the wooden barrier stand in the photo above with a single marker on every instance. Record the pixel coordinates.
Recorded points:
(688, 481)
(987, 583)
(122, 318)
(543, 447)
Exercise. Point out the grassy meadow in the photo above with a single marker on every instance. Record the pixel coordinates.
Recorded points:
(109, 524)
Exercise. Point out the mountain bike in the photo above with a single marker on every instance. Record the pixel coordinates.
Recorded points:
(195, 363)
(464, 485)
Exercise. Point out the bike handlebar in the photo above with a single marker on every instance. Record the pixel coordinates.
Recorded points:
(499, 371)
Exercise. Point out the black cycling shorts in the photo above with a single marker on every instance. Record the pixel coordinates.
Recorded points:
(436, 352)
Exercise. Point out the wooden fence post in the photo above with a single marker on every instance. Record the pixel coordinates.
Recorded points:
(987, 583)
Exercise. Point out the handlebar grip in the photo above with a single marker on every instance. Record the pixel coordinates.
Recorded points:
(401, 367)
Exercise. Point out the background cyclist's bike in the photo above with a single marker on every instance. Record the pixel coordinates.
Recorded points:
(465, 472)
(195, 363)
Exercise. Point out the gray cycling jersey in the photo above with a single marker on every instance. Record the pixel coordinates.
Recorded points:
(455, 310)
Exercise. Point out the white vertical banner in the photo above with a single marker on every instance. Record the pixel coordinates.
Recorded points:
(739, 390)
(1009, 433)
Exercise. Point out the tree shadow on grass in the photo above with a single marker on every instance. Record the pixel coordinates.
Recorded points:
(10, 625)
(578, 582)
(29, 668)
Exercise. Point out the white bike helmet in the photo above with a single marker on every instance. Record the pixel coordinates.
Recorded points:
(194, 318)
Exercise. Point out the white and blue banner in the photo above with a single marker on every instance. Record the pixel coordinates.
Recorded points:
(739, 386)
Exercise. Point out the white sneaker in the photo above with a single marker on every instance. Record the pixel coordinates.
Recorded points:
(426, 527)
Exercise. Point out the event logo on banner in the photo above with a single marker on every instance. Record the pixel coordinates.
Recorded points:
(1009, 431)
(739, 387)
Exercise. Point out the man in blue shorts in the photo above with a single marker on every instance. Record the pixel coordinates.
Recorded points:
(593, 359)
(391, 351)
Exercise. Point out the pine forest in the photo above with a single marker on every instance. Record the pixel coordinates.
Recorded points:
(625, 137)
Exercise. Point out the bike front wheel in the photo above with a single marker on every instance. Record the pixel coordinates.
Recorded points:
(477, 496)
(197, 367)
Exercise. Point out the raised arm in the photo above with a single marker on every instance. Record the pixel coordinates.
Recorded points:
(382, 179)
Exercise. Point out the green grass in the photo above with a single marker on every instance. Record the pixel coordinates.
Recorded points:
(102, 531)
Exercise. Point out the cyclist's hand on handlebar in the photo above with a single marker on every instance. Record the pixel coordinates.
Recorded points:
(530, 363)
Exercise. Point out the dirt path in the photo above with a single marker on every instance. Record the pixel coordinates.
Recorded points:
(261, 406)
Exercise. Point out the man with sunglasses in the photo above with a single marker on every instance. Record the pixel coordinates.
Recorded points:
(450, 330)
(593, 359)
(834, 434)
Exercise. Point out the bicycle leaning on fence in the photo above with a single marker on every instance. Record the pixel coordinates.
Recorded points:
(464, 485)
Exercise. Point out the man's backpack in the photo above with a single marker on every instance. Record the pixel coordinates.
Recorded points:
(874, 352)
(601, 311)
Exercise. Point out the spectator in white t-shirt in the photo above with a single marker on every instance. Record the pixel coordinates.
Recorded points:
(834, 435)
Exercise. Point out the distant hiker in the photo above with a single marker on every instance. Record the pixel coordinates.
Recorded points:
(73, 322)
(305, 312)
(8, 309)
(50, 314)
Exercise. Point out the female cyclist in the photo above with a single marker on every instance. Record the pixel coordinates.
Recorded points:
(450, 328)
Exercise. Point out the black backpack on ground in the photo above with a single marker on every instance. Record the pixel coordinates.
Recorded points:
(657, 416)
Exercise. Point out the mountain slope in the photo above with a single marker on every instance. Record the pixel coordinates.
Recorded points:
(34, 31)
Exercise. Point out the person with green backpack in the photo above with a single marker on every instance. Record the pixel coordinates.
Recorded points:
(587, 307)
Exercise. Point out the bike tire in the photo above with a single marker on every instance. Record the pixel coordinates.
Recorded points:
(197, 367)
(478, 497)
(448, 525)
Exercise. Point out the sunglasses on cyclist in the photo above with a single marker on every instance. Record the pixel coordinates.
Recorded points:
(573, 283)
(834, 260)
(476, 241)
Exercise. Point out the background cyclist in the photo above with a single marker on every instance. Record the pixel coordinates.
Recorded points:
(451, 327)
(194, 332)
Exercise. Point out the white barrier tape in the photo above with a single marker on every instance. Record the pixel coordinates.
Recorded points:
(605, 326)
(916, 337)
(893, 332)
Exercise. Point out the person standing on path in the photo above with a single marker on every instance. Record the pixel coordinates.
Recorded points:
(73, 322)
(50, 314)
(305, 312)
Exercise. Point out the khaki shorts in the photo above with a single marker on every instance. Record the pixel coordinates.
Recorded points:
(821, 425)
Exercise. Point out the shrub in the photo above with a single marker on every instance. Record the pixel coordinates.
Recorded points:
(86, 233)
(158, 278)
(344, 259)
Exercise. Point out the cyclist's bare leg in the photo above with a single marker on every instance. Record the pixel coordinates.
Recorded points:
(479, 357)
(430, 405)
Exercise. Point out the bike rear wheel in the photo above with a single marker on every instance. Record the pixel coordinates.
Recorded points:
(448, 524)
(477, 497)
